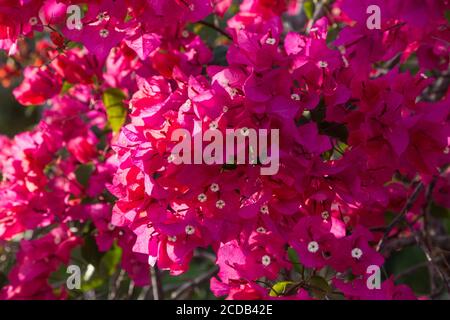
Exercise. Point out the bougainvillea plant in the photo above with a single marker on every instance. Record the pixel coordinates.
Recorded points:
(359, 206)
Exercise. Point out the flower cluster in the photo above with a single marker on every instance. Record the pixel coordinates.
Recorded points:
(358, 133)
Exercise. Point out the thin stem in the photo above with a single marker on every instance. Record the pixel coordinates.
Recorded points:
(156, 284)
(212, 26)
(401, 215)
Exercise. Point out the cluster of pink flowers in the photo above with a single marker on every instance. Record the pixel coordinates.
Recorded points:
(354, 134)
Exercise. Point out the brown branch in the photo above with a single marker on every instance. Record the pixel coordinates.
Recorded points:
(186, 287)
(214, 27)
(409, 203)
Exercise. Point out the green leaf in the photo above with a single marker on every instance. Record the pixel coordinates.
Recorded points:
(334, 129)
(308, 8)
(332, 34)
(117, 113)
(447, 15)
(293, 257)
(319, 287)
(439, 212)
(110, 260)
(83, 173)
(92, 284)
(89, 251)
(220, 55)
(66, 87)
(279, 288)
(405, 259)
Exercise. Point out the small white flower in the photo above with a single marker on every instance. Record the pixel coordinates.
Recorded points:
(244, 131)
(313, 247)
(271, 41)
(111, 227)
(102, 16)
(190, 230)
(220, 204)
(172, 238)
(214, 187)
(33, 21)
(261, 230)
(225, 109)
(357, 253)
(170, 158)
(346, 219)
(192, 7)
(185, 34)
(233, 92)
(295, 96)
(323, 64)
(325, 215)
(202, 197)
(213, 125)
(104, 33)
(264, 209)
(265, 260)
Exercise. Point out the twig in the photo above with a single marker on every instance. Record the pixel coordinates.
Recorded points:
(212, 26)
(156, 284)
(115, 285)
(193, 283)
(318, 12)
(426, 250)
(401, 215)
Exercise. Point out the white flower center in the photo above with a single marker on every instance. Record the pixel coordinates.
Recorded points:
(102, 16)
(264, 209)
(33, 21)
(357, 253)
(170, 158)
(104, 33)
(233, 92)
(265, 260)
(220, 204)
(325, 215)
(214, 187)
(111, 227)
(323, 64)
(313, 247)
(245, 132)
(271, 41)
(172, 238)
(295, 96)
(213, 125)
(261, 230)
(202, 197)
(190, 230)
